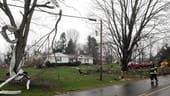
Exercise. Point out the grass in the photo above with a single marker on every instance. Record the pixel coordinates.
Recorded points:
(50, 81)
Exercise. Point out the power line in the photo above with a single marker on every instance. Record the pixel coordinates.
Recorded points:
(52, 13)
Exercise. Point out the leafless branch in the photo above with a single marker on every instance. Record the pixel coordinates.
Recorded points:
(45, 5)
(56, 26)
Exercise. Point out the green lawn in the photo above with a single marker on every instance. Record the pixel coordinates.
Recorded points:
(50, 81)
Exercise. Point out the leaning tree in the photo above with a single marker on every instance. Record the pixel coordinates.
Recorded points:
(21, 30)
(128, 21)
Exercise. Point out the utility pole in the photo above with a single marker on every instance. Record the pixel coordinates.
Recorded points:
(101, 67)
(150, 53)
(48, 48)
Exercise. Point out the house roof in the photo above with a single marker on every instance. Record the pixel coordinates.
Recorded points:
(65, 55)
(60, 55)
(84, 56)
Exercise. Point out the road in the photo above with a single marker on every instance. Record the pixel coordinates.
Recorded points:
(138, 88)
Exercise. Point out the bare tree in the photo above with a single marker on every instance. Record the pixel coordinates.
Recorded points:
(22, 30)
(128, 21)
(73, 34)
(92, 48)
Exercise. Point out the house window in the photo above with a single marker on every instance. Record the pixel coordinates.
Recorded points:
(71, 59)
(59, 59)
(86, 60)
(80, 59)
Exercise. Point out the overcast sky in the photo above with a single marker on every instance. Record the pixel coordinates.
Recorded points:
(42, 22)
(80, 8)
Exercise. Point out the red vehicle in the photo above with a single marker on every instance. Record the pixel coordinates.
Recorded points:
(133, 65)
(137, 65)
(143, 65)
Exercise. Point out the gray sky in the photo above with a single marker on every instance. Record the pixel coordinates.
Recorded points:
(73, 8)
(43, 22)
(77, 8)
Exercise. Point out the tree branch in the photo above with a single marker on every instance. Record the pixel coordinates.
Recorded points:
(6, 10)
(60, 15)
(45, 5)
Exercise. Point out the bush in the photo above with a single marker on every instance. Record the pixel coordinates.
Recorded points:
(35, 62)
(63, 64)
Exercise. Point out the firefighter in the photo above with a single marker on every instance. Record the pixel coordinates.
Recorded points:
(153, 74)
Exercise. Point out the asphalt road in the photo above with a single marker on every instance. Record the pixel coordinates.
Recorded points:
(138, 88)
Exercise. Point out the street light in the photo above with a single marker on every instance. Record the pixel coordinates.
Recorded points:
(100, 46)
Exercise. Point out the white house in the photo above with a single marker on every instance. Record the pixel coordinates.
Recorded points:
(64, 58)
(60, 57)
(85, 59)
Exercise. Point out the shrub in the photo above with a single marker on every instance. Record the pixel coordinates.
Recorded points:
(38, 63)
(63, 64)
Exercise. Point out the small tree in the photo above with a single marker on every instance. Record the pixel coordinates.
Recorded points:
(163, 54)
(70, 49)
(73, 34)
(61, 44)
(92, 49)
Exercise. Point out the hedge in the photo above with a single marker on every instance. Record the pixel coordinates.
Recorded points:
(63, 64)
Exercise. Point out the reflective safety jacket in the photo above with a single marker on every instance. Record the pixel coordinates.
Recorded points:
(153, 70)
